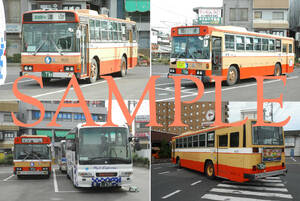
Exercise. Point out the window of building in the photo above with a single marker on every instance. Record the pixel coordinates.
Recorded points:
(257, 15)
(7, 117)
(35, 114)
(48, 115)
(257, 43)
(277, 15)
(223, 140)
(249, 43)
(229, 42)
(265, 44)
(234, 139)
(238, 14)
(240, 43)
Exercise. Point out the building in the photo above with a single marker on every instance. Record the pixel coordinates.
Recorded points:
(271, 16)
(142, 132)
(238, 13)
(292, 143)
(294, 23)
(160, 44)
(208, 16)
(8, 130)
(197, 116)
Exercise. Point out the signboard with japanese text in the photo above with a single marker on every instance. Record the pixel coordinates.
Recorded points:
(209, 16)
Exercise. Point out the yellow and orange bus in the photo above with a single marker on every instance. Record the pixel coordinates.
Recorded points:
(63, 43)
(239, 153)
(32, 155)
(231, 52)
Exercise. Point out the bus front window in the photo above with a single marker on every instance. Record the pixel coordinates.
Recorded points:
(191, 47)
(32, 151)
(49, 37)
(104, 146)
(267, 135)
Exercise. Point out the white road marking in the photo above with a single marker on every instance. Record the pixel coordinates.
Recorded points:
(166, 172)
(55, 182)
(63, 90)
(156, 168)
(171, 194)
(293, 159)
(172, 83)
(228, 198)
(193, 184)
(273, 178)
(164, 94)
(229, 88)
(245, 187)
(258, 184)
(8, 177)
(268, 180)
(8, 83)
(244, 192)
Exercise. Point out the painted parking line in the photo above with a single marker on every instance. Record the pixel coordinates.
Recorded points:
(55, 181)
(11, 176)
(171, 194)
(229, 198)
(197, 182)
(166, 172)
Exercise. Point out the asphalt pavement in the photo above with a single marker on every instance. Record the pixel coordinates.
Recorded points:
(58, 187)
(172, 184)
(245, 90)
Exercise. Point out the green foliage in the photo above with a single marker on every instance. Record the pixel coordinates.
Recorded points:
(140, 160)
(165, 150)
(16, 58)
(7, 160)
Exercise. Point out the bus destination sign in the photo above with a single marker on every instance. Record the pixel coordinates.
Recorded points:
(46, 17)
(188, 30)
(32, 140)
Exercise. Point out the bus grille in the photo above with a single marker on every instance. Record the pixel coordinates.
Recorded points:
(106, 174)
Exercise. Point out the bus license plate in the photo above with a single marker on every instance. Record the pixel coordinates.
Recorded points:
(181, 64)
(185, 72)
(47, 74)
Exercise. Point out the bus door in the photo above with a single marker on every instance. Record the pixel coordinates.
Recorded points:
(222, 145)
(216, 55)
(173, 150)
(83, 48)
(290, 58)
(130, 62)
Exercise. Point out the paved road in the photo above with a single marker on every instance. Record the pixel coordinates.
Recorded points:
(131, 86)
(39, 189)
(172, 184)
(246, 90)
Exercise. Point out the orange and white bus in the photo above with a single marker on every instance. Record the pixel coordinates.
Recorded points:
(32, 155)
(239, 153)
(61, 43)
(231, 52)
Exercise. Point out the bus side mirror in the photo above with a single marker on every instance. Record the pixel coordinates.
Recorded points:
(73, 147)
(129, 139)
(78, 33)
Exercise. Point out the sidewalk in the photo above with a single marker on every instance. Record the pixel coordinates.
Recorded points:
(292, 160)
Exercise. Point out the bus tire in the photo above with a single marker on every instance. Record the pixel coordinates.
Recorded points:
(178, 163)
(123, 71)
(210, 170)
(46, 80)
(68, 176)
(232, 76)
(93, 72)
(277, 70)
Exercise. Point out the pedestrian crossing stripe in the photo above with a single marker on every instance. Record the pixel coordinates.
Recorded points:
(229, 198)
(245, 187)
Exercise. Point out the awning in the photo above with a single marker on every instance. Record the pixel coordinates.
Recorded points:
(137, 5)
(61, 133)
(70, 136)
(44, 132)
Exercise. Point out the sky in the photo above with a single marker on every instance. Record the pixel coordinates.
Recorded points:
(168, 13)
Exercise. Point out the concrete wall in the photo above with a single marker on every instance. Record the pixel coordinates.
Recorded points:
(296, 148)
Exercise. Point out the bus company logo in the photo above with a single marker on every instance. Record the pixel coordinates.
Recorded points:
(48, 60)
(32, 164)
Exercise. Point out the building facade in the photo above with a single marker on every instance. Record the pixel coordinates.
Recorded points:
(8, 130)
(294, 23)
(238, 13)
(292, 143)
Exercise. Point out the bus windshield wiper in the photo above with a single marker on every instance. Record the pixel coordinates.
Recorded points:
(42, 44)
(58, 49)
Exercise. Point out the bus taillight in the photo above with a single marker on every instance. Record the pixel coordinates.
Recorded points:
(255, 149)
(254, 168)
(282, 150)
(283, 164)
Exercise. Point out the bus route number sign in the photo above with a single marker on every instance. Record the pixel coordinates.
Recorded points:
(44, 17)
(32, 140)
(188, 30)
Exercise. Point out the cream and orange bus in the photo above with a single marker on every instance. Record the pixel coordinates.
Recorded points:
(61, 43)
(231, 52)
(239, 153)
(32, 155)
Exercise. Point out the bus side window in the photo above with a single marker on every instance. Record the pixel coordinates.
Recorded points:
(278, 45)
(271, 45)
(229, 42)
(211, 139)
(104, 33)
(202, 140)
(185, 142)
(134, 32)
(97, 30)
(240, 43)
(284, 48)
(265, 43)
(190, 142)
(234, 139)
(223, 140)
(257, 43)
(92, 29)
(114, 31)
(119, 31)
(290, 48)
(109, 29)
(195, 141)
(177, 141)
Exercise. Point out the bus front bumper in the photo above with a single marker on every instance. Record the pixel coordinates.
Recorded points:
(54, 74)
(265, 174)
(103, 182)
(203, 78)
(32, 172)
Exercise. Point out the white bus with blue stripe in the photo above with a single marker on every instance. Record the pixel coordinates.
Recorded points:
(2, 44)
(99, 156)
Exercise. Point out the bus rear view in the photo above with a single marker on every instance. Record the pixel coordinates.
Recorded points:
(99, 157)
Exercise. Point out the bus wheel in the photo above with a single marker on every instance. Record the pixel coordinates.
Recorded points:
(94, 71)
(277, 70)
(178, 163)
(123, 71)
(68, 176)
(210, 170)
(46, 80)
(232, 76)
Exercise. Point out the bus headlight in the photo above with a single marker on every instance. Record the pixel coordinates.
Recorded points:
(28, 68)
(172, 70)
(18, 169)
(198, 72)
(45, 169)
(125, 174)
(69, 68)
(85, 174)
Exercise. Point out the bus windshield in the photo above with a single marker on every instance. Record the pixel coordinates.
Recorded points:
(104, 145)
(190, 47)
(49, 37)
(32, 151)
(267, 135)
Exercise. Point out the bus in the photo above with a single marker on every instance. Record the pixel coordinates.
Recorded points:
(63, 43)
(2, 44)
(32, 155)
(62, 160)
(99, 156)
(231, 52)
(239, 154)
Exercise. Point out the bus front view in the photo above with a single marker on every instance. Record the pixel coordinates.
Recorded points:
(100, 157)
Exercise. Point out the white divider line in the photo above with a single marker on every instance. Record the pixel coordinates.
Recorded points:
(273, 178)
(257, 184)
(8, 83)
(55, 181)
(252, 187)
(156, 168)
(193, 184)
(171, 194)
(242, 192)
(229, 198)
(8, 177)
(166, 172)
(268, 180)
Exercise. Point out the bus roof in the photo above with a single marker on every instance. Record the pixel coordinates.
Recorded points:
(81, 125)
(227, 29)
